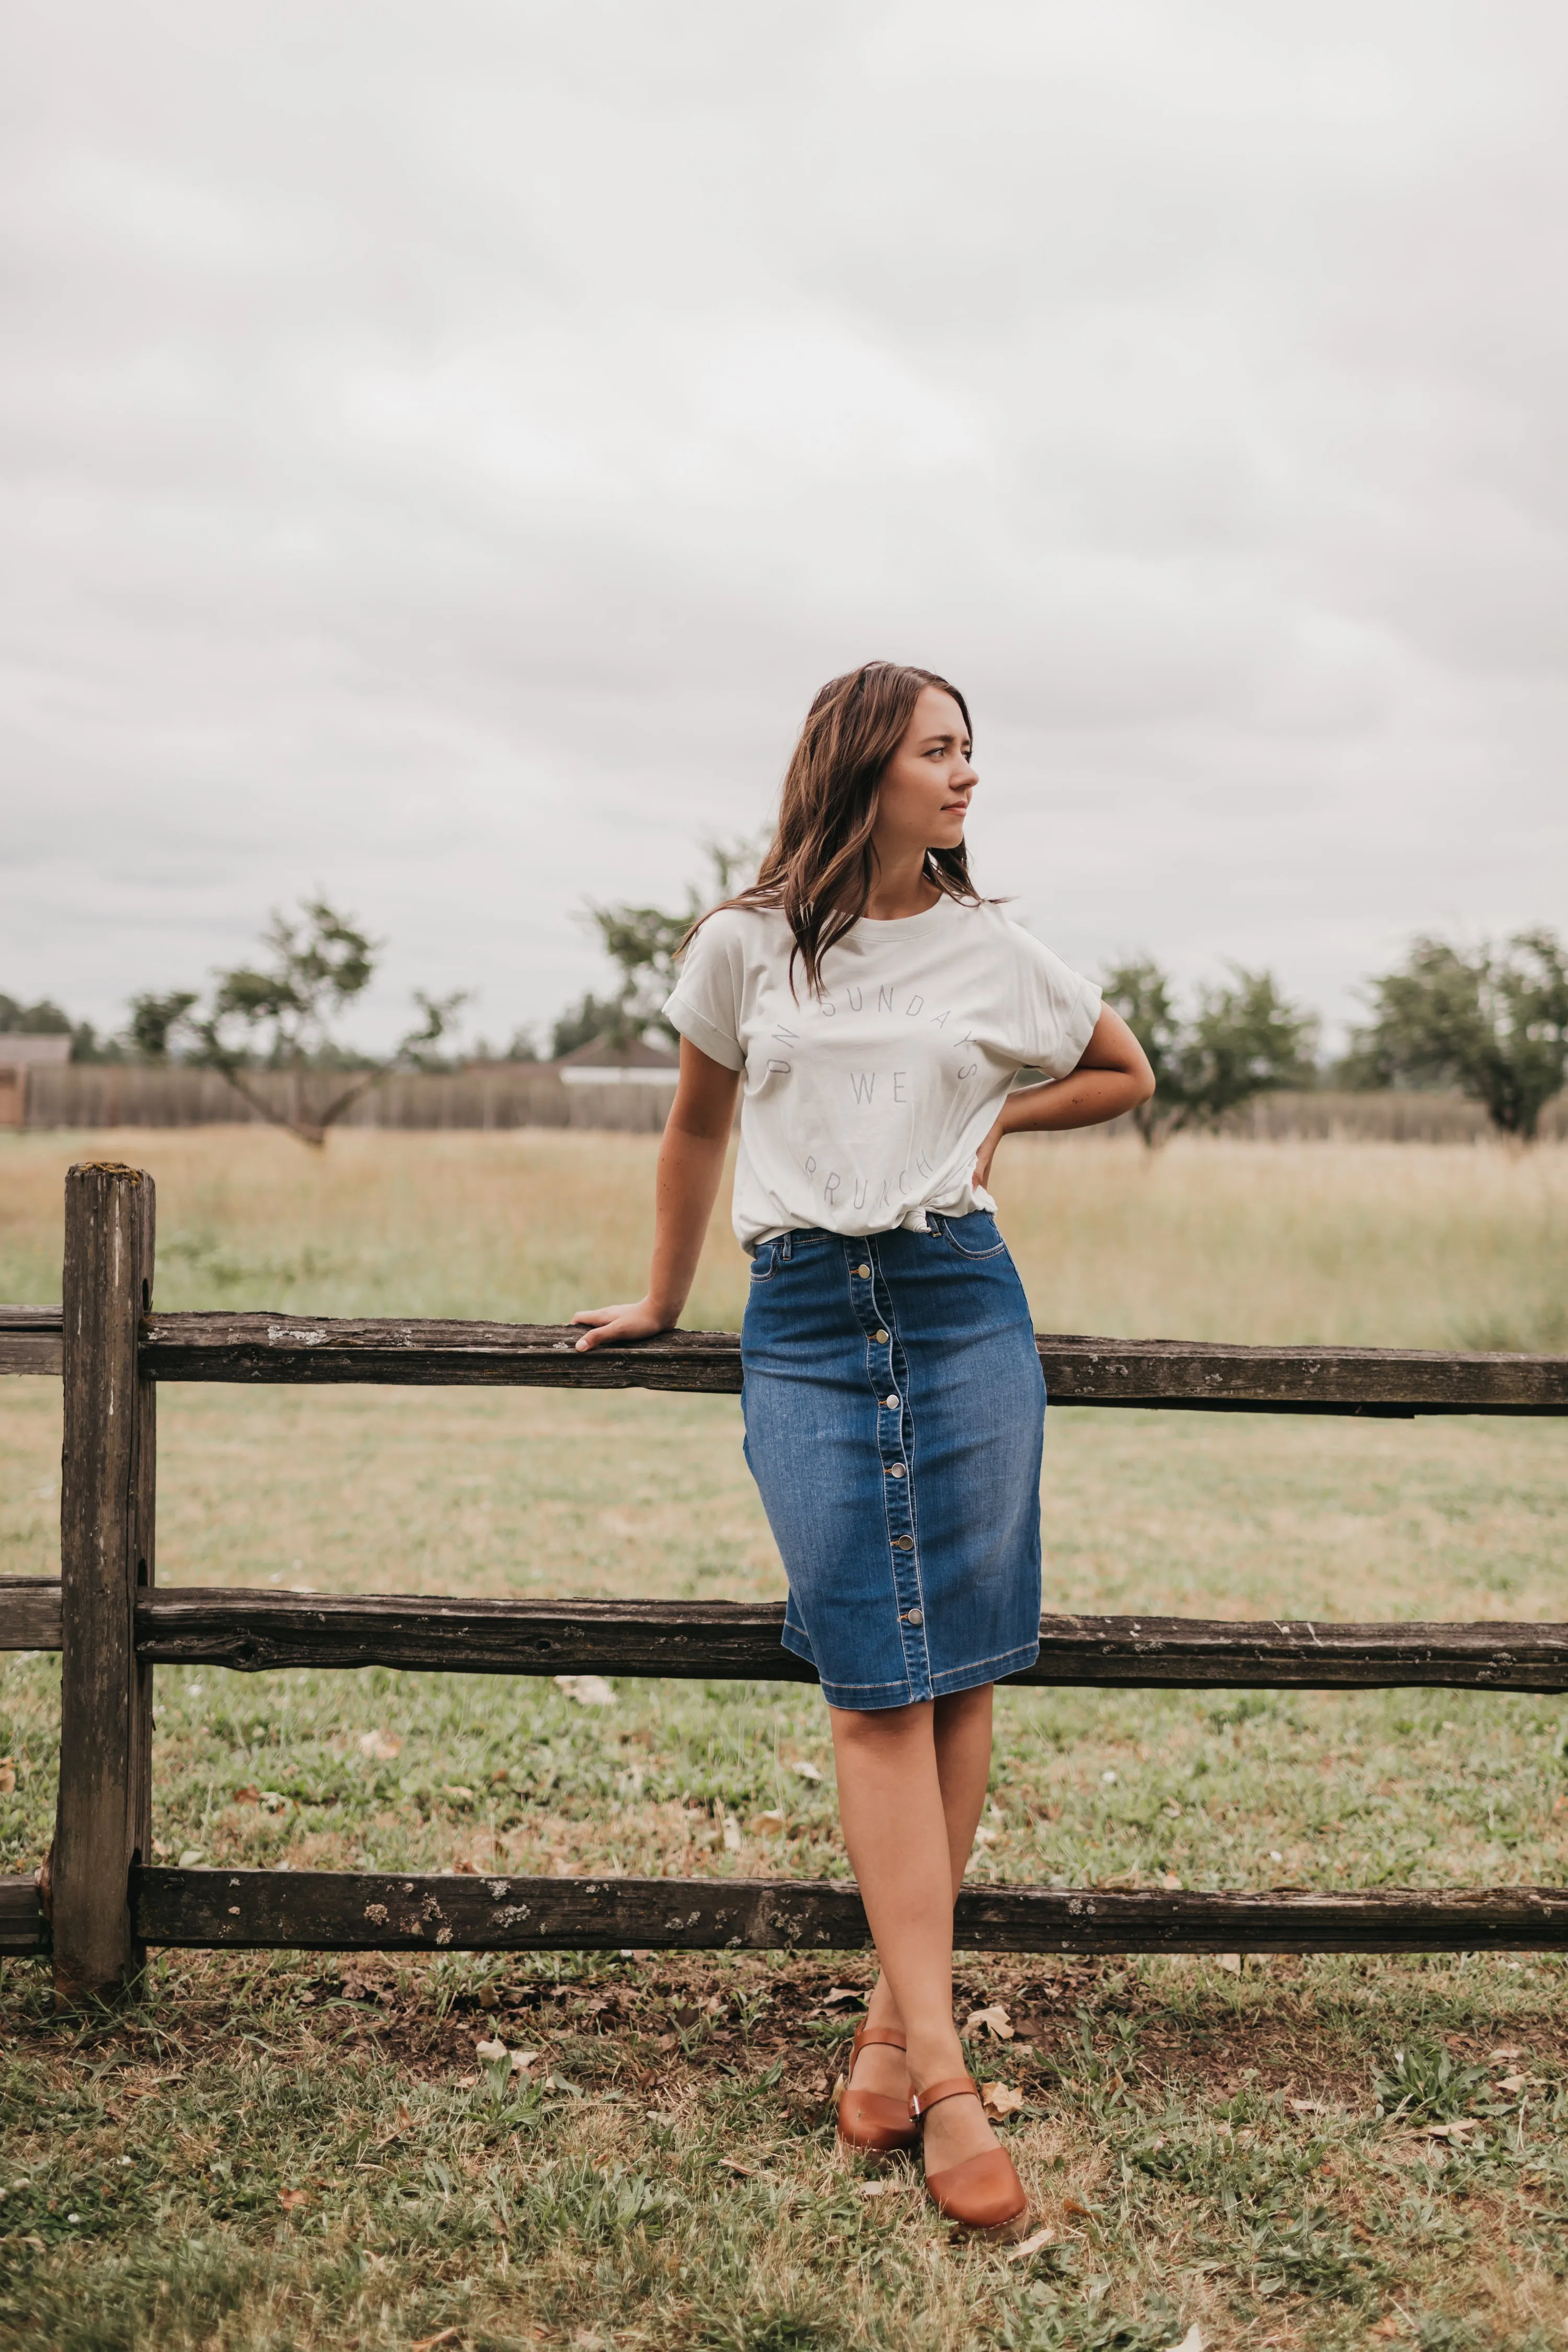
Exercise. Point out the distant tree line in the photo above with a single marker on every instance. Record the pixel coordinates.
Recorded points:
(1490, 1021)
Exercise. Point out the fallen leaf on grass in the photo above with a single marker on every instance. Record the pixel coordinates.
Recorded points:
(883, 2188)
(1454, 2130)
(1077, 2208)
(1506, 2050)
(491, 2051)
(588, 1690)
(191, 1857)
(456, 1789)
(746, 2171)
(428, 2343)
(994, 2020)
(7, 1777)
(761, 1825)
(1170, 1882)
(1193, 2341)
(841, 1992)
(381, 1746)
(1000, 2098)
(1311, 2108)
(806, 1772)
(291, 2198)
(1516, 2082)
(1229, 1962)
(1030, 2247)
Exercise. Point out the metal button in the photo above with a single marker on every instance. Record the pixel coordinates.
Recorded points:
(913, 1617)
(862, 1270)
(892, 1403)
(880, 1338)
(904, 1543)
(895, 1470)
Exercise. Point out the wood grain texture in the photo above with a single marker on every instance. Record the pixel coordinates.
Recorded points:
(1190, 1375)
(23, 1928)
(30, 1339)
(722, 1641)
(29, 1612)
(104, 1811)
(377, 1911)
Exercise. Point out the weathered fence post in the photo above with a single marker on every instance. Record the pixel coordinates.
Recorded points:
(108, 1467)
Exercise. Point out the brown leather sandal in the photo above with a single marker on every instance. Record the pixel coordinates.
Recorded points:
(984, 2194)
(869, 2120)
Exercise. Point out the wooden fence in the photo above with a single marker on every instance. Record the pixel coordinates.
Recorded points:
(487, 1096)
(494, 1095)
(96, 1904)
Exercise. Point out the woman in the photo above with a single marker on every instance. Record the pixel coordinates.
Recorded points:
(876, 1011)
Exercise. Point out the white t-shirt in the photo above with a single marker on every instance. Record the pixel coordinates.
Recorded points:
(864, 1107)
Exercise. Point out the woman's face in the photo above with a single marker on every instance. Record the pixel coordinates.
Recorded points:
(924, 794)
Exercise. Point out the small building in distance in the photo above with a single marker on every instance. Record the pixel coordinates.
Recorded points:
(604, 1065)
(18, 1055)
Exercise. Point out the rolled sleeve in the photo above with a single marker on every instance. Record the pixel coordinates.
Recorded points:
(704, 1034)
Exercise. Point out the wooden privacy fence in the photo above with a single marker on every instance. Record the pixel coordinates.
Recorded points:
(97, 1903)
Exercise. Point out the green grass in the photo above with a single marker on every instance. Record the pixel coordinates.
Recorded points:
(317, 2155)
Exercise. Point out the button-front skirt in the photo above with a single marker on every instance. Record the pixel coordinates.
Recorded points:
(894, 1409)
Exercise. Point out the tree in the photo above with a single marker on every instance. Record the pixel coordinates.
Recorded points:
(154, 1019)
(43, 1019)
(592, 1018)
(1141, 992)
(1492, 1022)
(642, 942)
(278, 1014)
(1244, 1038)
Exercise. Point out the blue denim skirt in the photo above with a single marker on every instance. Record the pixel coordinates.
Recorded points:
(895, 1410)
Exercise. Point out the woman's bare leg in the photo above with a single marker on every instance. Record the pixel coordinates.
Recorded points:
(912, 1785)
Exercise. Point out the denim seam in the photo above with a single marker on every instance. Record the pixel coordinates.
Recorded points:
(906, 1455)
(974, 1257)
(857, 1247)
(899, 1681)
(998, 1658)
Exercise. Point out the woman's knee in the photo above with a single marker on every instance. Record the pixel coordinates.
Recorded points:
(880, 1728)
(971, 1705)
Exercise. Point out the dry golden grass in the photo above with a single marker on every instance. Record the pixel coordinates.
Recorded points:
(1375, 1244)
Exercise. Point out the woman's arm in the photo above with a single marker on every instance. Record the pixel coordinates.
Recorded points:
(1113, 1076)
(691, 1163)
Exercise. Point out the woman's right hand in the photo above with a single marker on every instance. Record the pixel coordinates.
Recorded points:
(611, 1326)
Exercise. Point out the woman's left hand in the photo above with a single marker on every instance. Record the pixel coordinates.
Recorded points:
(986, 1154)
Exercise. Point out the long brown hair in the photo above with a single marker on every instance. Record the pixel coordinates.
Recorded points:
(819, 867)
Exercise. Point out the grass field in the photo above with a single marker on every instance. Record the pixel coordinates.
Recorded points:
(302, 2152)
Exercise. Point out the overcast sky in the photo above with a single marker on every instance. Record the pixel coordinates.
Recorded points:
(443, 448)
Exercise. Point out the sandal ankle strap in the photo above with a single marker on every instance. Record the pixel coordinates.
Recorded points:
(956, 2086)
(867, 2036)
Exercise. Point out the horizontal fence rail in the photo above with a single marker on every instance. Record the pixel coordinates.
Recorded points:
(1180, 1374)
(738, 1641)
(382, 1911)
(30, 1339)
(97, 1906)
